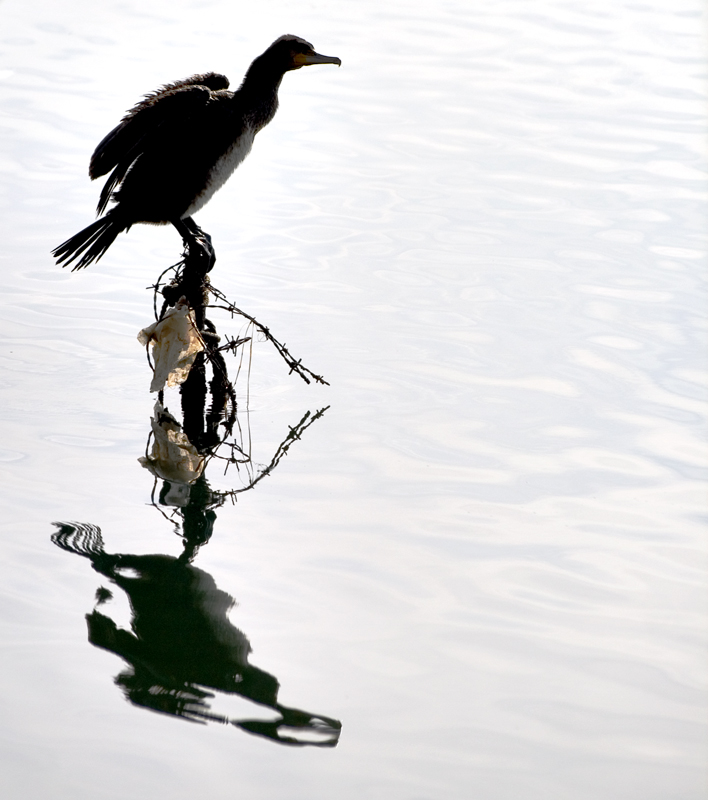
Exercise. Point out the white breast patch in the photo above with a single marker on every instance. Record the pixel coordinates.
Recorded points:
(223, 170)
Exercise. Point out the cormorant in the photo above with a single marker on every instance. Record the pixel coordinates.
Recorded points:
(178, 146)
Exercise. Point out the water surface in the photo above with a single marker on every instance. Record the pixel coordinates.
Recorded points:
(487, 559)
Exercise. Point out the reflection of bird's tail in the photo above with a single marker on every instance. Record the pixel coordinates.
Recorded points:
(92, 242)
(81, 538)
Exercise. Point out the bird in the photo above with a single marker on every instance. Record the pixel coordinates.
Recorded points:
(176, 147)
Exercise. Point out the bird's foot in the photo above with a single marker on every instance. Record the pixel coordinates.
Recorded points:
(201, 251)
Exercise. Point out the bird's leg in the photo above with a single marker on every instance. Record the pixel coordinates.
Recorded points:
(197, 241)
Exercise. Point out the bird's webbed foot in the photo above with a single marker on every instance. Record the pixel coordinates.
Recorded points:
(201, 249)
(198, 246)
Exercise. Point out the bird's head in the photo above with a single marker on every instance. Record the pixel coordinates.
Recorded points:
(291, 52)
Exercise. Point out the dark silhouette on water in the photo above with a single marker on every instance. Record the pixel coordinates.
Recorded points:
(182, 644)
(178, 146)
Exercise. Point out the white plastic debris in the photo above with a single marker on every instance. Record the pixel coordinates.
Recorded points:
(173, 458)
(175, 344)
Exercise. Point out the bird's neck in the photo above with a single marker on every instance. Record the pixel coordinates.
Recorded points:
(259, 91)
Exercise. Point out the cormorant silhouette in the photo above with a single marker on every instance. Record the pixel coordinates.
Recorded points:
(178, 146)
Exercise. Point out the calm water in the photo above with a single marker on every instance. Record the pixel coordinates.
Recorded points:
(487, 559)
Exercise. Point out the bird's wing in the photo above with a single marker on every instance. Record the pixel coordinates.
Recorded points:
(212, 80)
(145, 123)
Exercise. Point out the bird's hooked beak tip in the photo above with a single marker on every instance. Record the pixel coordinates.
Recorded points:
(306, 59)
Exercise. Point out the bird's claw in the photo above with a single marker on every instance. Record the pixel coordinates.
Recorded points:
(201, 250)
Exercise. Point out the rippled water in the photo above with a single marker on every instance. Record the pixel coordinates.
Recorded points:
(487, 559)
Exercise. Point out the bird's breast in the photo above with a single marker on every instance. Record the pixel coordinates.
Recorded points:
(222, 170)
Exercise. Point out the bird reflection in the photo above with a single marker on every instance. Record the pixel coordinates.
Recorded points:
(181, 643)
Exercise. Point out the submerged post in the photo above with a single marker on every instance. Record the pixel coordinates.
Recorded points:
(192, 284)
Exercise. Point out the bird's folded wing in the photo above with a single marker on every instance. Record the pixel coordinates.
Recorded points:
(212, 80)
(143, 125)
(171, 103)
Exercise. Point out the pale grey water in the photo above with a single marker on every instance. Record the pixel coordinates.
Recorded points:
(488, 559)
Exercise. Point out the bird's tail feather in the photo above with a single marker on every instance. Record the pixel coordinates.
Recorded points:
(90, 243)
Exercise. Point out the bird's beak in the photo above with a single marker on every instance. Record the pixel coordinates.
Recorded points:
(304, 59)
